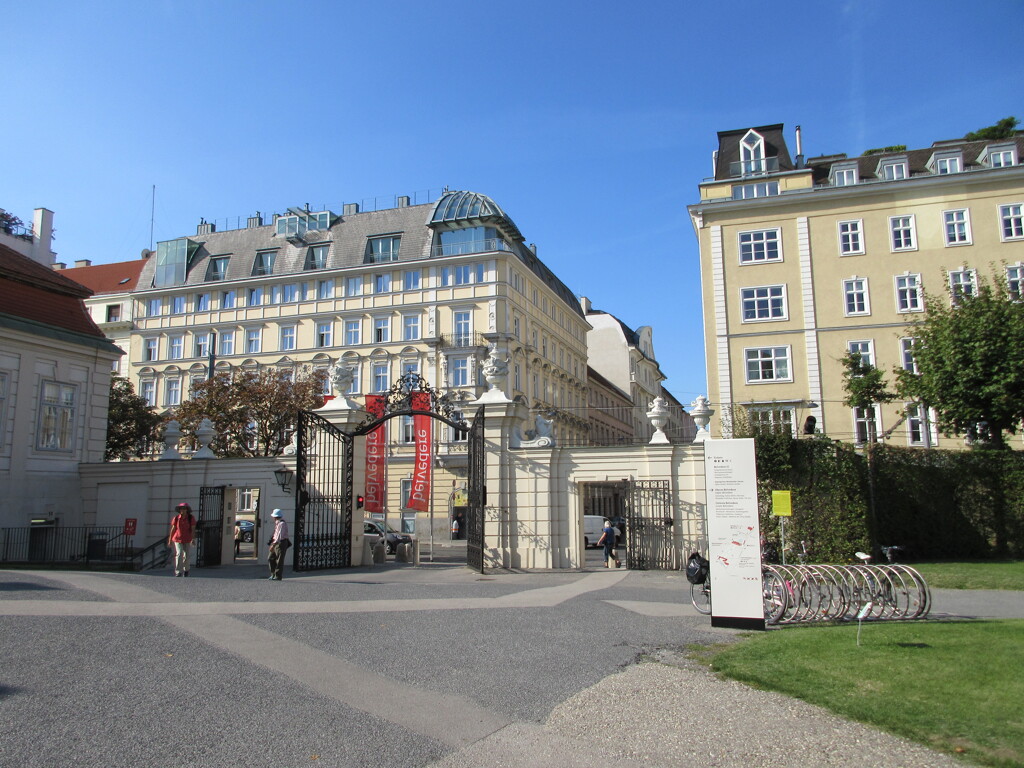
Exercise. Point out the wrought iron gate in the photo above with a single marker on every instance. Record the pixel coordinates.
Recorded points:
(323, 495)
(209, 543)
(649, 523)
(477, 493)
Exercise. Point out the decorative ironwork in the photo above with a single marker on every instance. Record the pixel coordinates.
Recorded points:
(477, 493)
(323, 495)
(649, 523)
(211, 526)
(447, 406)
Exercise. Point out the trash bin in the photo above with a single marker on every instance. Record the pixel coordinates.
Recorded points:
(96, 549)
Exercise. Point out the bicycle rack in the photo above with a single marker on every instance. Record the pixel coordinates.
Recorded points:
(817, 593)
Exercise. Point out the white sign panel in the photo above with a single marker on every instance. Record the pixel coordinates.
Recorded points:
(730, 476)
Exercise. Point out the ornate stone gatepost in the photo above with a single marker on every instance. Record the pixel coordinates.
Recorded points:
(205, 434)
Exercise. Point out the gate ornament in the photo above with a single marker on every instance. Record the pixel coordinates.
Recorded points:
(701, 411)
(658, 416)
(398, 400)
(540, 437)
(495, 371)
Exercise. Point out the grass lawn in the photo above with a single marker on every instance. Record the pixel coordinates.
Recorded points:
(953, 686)
(990, 574)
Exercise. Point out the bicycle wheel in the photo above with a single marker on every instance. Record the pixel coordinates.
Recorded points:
(700, 596)
(775, 597)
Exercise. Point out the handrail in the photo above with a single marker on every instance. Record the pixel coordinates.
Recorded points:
(154, 556)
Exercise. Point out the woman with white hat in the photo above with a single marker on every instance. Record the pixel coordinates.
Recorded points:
(279, 544)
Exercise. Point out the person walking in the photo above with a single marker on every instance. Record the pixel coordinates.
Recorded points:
(183, 532)
(607, 540)
(279, 544)
(238, 536)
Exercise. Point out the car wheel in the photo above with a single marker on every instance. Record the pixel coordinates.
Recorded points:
(390, 548)
(247, 537)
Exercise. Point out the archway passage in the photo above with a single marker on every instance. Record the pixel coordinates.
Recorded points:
(324, 497)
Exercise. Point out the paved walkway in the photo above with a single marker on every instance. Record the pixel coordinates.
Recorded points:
(433, 665)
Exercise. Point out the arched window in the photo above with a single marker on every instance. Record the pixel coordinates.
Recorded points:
(752, 153)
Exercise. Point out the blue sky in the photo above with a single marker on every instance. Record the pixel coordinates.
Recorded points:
(590, 123)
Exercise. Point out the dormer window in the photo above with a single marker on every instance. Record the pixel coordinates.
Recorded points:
(893, 169)
(383, 249)
(299, 224)
(316, 257)
(999, 155)
(263, 264)
(843, 174)
(752, 153)
(946, 163)
(217, 269)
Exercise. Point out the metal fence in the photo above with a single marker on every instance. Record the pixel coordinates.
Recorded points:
(87, 545)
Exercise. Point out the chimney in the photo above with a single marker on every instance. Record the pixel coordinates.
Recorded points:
(350, 209)
(585, 304)
(59, 265)
(533, 248)
(254, 221)
(403, 201)
(83, 262)
(799, 149)
(205, 227)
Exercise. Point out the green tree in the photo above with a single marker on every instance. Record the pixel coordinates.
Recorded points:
(131, 422)
(1004, 129)
(253, 412)
(969, 352)
(864, 384)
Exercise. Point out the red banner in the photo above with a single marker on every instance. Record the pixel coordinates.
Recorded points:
(419, 496)
(376, 463)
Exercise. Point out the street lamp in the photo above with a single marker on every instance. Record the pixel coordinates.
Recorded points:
(283, 477)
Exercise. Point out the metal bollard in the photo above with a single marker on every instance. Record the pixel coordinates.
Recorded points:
(415, 551)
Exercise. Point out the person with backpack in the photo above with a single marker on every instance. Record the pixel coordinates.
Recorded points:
(183, 532)
(607, 540)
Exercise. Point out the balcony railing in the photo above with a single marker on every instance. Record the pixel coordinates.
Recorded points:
(754, 167)
(472, 246)
(462, 340)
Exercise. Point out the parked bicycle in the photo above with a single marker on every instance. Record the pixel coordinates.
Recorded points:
(775, 592)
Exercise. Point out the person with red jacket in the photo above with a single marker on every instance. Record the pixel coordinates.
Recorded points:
(183, 531)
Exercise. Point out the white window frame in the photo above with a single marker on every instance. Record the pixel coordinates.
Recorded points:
(758, 242)
(381, 380)
(956, 226)
(286, 338)
(202, 303)
(850, 290)
(754, 190)
(907, 359)
(254, 296)
(411, 328)
(382, 330)
(866, 348)
(353, 333)
(226, 342)
(411, 280)
(904, 224)
(767, 298)
(227, 299)
(997, 155)
(354, 285)
(948, 164)
(151, 349)
(289, 293)
(175, 347)
(201, 345)
(777, 419)
(458, 372)
(922, 420)
(58, 414)
(316, 257)
(912, 291)
(871, 422)
(147, 391)
(962, 282)
(382, 283)
(843, 175)
(253, 341)
(851, 237)
(775, 355)
(893, 170)
(178, 305)
(1015, 280)
(172, 392)
(154, 307)
(324, 334)
(325, 289)
(1011, 222)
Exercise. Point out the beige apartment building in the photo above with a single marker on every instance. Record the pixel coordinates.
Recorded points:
(428, 289)
(804, 260)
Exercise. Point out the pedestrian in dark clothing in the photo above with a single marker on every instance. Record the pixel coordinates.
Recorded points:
(279, 544)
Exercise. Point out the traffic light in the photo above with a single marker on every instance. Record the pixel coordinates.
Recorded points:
(359, 502)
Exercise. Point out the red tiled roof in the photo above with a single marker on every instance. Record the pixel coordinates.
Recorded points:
(32, 292)
(108, 278)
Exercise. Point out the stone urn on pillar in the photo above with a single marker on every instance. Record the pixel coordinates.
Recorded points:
(658, 416)
(172, 436)
(204, 436)
(701, 412)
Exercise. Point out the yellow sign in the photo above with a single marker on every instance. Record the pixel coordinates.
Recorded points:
(782, 503)
(460, 498)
